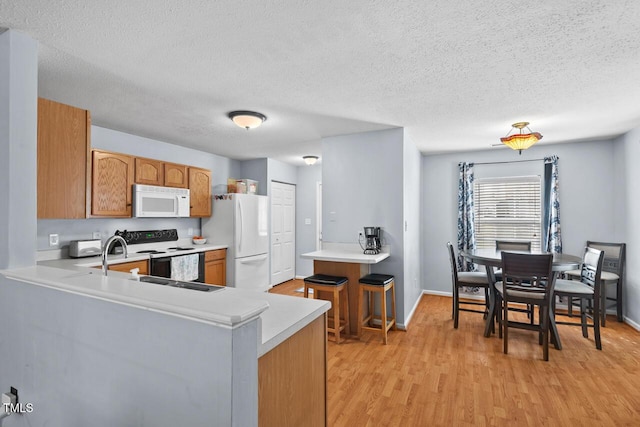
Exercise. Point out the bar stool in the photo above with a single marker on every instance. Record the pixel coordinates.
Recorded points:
(377, 283)
(336, 286)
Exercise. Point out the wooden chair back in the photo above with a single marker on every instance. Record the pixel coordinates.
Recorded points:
(591, 269)
(454, 264)
(614, 255)
(527, 277)
(513, 245)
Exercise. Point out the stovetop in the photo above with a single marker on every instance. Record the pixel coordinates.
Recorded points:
(153, 242)
(149, 236)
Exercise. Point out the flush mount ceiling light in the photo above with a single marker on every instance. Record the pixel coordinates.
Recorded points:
(247, 119)
(521, 141)
(310, 160)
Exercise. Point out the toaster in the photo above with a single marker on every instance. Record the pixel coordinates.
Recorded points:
(85, 248)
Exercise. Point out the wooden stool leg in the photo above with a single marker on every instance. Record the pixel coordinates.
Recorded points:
(360, 311)
(345, 292)
(383, 315)
(372, 303)
(336, 315)
(393, 305)
(306, 290)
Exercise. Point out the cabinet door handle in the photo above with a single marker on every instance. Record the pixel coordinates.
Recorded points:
(128, 204)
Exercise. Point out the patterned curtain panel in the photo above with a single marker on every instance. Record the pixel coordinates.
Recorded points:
(466, 235)
(551, 220)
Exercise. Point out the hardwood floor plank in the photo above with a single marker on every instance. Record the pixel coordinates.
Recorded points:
(432, 374)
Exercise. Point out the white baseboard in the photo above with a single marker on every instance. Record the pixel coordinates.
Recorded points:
(439, 293)
(631, 323)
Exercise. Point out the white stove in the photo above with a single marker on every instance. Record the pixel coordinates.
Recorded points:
(161, 246)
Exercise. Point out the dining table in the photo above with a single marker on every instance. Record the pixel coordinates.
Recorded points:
(491, 258)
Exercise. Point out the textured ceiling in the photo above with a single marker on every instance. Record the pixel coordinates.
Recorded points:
(455, 77)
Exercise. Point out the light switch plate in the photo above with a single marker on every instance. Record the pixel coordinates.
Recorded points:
(307, 221)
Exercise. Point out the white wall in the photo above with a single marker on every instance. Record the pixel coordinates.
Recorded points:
(587, 202)
(308, 178)
(627, 228)
(111, 140)
(18, 148)
(362, 177)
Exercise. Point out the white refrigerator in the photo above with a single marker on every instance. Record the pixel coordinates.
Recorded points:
(240, 222)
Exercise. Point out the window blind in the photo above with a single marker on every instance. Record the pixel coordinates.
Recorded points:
(507, 209)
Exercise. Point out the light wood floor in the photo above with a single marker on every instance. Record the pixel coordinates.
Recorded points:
(434, 375)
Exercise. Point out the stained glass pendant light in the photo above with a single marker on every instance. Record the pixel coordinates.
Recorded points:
(520, 140)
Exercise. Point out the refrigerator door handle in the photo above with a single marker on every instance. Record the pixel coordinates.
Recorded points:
(241, 225)
(253, 259)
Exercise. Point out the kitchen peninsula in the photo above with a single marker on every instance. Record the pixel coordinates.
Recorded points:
(146, 354)
(349, 261)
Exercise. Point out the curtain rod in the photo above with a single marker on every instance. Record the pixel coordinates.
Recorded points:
(511, 161)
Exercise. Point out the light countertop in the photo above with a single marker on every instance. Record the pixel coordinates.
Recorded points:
(345, 253)
(279, 316)
(96, 261)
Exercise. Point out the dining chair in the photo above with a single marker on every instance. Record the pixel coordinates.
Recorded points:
(586, 290)
(527, 279)
(513, 245)
(461, 279)
(612, 274)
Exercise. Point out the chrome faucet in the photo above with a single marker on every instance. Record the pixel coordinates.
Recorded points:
(105, 249)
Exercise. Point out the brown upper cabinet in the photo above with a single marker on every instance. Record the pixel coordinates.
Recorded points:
(64, 144)
(111, 184)
(200, 192)
(149, 171)
(176, 175)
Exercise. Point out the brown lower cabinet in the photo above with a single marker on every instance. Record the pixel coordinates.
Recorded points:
(292, 379)
(215, 267)
(126, 267)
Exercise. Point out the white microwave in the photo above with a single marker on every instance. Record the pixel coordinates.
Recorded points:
(150, 201)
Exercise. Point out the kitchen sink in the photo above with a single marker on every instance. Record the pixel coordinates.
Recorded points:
(180, 284)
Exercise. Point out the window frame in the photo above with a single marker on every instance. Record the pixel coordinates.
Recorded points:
(486, 239)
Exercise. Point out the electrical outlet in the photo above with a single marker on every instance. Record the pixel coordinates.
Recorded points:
(96, 235)
(54, 239)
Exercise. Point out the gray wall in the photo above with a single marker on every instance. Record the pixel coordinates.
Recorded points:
(412, 226)
(111, 140)
(18, 148)
(597, 199)
(281, 172)
(308, 178)
(627, 228)
(587, 202)
(362, 178)
(86, 362)
(256, 170)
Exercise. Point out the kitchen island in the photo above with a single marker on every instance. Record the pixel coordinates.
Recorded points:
(349, 261)
(114, 351)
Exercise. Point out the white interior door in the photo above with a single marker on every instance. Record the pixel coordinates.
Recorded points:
(283, 232)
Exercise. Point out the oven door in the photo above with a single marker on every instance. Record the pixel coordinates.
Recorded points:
(161, 267)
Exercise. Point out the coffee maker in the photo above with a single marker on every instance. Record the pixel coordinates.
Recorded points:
(372, 240)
